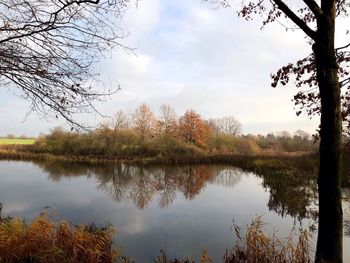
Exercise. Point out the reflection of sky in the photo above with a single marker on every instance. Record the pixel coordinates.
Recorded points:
(184, 228)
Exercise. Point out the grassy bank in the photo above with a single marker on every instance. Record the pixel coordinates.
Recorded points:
(6, 141)
(128, 143)
(258, 163)
(26, 153)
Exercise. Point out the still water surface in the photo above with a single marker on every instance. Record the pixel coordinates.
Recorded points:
(182, 209)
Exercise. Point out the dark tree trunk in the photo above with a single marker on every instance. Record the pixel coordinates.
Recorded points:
(330, 229)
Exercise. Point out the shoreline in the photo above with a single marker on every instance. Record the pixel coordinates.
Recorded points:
(18, 154)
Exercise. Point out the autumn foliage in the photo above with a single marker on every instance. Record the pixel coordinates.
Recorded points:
(144, 134)
(193, 129)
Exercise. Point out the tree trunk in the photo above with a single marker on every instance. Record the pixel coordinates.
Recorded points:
(330, 228)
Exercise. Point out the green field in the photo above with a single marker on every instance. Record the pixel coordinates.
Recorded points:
(16, 141)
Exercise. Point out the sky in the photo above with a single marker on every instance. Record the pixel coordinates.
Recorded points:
(190, 55)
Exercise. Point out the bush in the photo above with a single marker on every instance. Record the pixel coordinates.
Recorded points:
(221, 143)
(246, 146)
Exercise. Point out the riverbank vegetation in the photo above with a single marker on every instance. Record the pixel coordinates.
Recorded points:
(49, 241)
(45, 240)
(141, 135)
(257, 246)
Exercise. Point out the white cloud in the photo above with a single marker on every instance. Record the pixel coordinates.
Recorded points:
(142, 18)
(191, 55)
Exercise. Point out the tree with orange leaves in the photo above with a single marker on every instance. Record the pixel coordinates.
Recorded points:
(193, 128)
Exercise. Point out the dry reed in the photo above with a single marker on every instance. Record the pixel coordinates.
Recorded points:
(256, 246)
(54, 242)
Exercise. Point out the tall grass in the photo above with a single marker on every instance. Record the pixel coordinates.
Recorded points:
(257, 246)
(47, 241)
(205, 258)
(44, 240)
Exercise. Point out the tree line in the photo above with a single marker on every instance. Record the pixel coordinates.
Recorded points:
(142, 133)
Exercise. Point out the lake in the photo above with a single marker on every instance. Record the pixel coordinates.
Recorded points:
(180, 209)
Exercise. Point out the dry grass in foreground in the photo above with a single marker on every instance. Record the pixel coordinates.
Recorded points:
(45, 241)
(257, 247)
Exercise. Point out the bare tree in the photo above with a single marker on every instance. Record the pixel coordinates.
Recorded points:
(48, 49)
(167, 121)
(303, 135)
(144, 121)
(283, 134)
(226, 125)
(119, 121)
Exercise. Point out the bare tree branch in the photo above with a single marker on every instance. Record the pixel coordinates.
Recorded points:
(48, 49)
(299, 22)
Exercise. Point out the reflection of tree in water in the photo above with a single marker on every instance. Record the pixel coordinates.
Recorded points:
(166, 185)
(142, 188)
(115, 183)
(292, 192)
(58, 170)
(192, 180)
(141, 183)
(228, 177)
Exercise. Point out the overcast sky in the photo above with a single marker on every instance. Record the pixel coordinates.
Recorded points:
(191, 56)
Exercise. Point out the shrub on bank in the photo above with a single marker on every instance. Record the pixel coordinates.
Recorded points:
(221, 143)
(130, 143)
(246, 146)
(106, 143)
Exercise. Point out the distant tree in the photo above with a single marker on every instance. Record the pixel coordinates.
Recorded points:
(48, 47)
(144, 121)
(283, 134)
(270, 137)
(303, 135)
(227, 125)
(193, 128)
(167, 121)
(10, 136)
(303, 141)
(120, 120)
